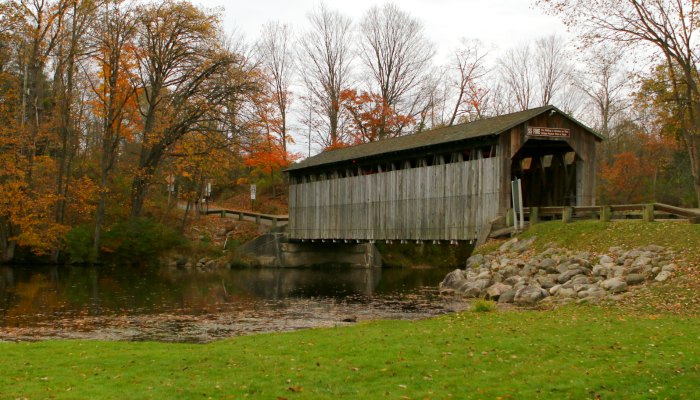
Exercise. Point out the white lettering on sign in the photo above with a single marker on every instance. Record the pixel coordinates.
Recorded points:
(252, 192)
(548, 132)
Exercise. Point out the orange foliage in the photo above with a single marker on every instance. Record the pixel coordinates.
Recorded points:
(631, 177)
(371, 119)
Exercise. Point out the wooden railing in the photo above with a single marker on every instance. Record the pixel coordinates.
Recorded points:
(647, 212)
(258, 217)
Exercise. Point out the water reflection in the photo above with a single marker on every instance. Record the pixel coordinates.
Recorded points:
(40, 295)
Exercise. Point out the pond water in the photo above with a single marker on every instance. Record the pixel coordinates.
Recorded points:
(167, 304)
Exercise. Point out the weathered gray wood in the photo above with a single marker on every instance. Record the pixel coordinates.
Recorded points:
(440, 202)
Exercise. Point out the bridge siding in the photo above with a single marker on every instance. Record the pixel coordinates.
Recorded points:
(439, 202)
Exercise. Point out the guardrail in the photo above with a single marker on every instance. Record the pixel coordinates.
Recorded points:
(648, 212)
(274, 219)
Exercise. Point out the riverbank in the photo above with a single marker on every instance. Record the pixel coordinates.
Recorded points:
(646, 346)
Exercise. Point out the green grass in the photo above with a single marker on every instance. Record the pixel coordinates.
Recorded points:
(574, 352)
(599, 236)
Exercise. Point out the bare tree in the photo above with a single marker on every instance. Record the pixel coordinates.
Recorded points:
(605, 83)
(551, 67)
(517, 75)
(668, 29)
(397, 55)
(467, 68)
(325, 53)
(274, 51)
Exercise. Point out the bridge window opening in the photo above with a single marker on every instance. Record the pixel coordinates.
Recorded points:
(488, 151)
(547, 169)
(547, 161)
(570, 158)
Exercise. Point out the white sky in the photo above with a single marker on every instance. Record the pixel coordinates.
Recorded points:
(502, 23)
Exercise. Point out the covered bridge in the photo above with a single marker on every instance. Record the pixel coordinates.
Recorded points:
(445, 184)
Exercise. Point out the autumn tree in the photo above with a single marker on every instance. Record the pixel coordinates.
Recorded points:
(666, 29)
(324, 57)
(29, 35)
(186, 74)
(71, 48)
(370, 117)
(115, 102)
(397, 56)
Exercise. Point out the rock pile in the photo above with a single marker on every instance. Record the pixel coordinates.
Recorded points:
(516, 274)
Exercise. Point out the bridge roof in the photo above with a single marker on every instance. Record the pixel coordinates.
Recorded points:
(469, 130)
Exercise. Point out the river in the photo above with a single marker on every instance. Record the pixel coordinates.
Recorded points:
(174, 305)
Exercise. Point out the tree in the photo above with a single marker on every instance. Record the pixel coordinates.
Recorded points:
(468, 65)
(274, 52)
(397, 56)
(29, 33)
(371, 117)
(516, 73)
(665, 27)
(552, 67)
(325, 53)
(115, 96)
(187, 75)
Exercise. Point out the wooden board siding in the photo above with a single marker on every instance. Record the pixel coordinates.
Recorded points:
(438, 202)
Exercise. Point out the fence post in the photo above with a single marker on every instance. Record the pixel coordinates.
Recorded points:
(223, 213)
(648, 213)
(240, 216)
(567, 215)
(605, 212)
(534, 215)
(274, 222)
(257, 219)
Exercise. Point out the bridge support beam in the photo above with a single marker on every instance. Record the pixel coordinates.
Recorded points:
(358, 255)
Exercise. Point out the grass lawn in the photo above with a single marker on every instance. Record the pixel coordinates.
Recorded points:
(647, 348)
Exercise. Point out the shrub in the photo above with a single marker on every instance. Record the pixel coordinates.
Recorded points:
(138, 240)
(132, 241)
(481, 305)
(79, 245)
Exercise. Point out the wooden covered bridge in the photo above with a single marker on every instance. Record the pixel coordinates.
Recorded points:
(446, 184)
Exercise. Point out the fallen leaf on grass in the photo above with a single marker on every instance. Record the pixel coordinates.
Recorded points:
(295, 389)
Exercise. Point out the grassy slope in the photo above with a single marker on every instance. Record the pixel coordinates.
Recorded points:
(621, 351)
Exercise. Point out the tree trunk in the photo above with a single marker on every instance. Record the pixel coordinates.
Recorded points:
(7, 245)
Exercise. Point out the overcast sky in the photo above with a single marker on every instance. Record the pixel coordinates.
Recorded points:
(498, 24)
(501, 23)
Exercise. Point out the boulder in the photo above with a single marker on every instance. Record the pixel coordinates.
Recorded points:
(475, 261)
(530, 295)
(547, 281)
(507, 245)
(566, 276)
(599, 270)
(669, 267)
(614, 285)
(507, 296)
(604, 259)
(566, 292)
(453, 280)
(663, 276)
(523, 245)
(496, 290)
(634, 279)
